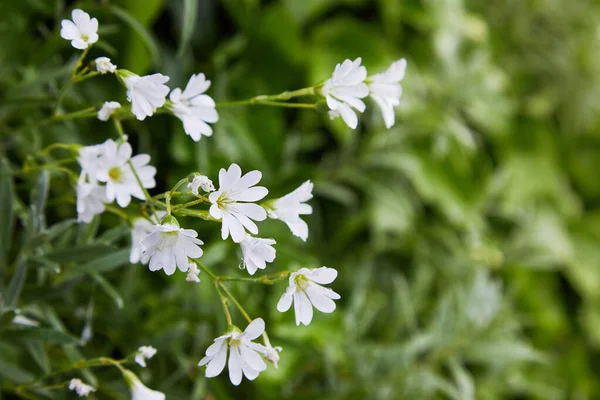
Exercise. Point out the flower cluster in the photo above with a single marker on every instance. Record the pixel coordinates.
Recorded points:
(349, 84)
(110, 172)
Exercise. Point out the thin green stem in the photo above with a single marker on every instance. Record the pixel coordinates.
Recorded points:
(225, 303)
(265, 280)
(170, 193)
(149, 200)
(191, 203)
(275, 99)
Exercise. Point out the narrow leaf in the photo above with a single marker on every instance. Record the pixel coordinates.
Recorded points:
(6, 212)
(143, 33)
(190, 9)
(108, 289)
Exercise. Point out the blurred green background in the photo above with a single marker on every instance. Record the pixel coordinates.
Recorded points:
(466, 237)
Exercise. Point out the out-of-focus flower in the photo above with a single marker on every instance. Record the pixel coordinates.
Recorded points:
(91, 198)
(115, 170)
(144, 353)
(386, 90)
(108, 109)
(201, 182)
(193, 272)
(344, 90)
(227, 202)
(80, 388)
(146, 93)
(289, 208)
(271, 354)
(306, 292)
(244, 355)
(257, 253)
(104, 66)
(169, 246)
(82, 31)
(139, 391)
(194, 108)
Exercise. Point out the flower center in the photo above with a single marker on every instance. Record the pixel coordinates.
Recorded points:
(85, 37)
(302, 282)
(234, 342)
(115, 174)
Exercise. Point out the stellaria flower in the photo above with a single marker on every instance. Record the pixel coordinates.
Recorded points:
(108, 109)
(80, 388)
(244, 355)
(139, 391)
(386, 90)
(91, 198)
(306, 292)
(194, 108)
(271, 354)
(201, 182)
(257, 253)
(193, 272)
(141, 228)
(114, 168)
(82, 31)
(227, 202)
(344, 90)
(104, 66)
(146, 93)
(289, 208)
(144, 353)
(169, 246)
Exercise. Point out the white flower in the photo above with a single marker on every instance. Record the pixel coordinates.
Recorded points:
(82, 31)
(344, 90)
(201, 182)
(271, 354)
(193, 272)
(144, 353)
(88, 159)
(257, 253)
(233, 189)
(386, 90)
(289, 208)
(108, 109)
(115, 169)
(81, 388)
(104, 66)
(305, 291)
(138, 390)
(20, 319)
(140, 229)
(243, 353)
(169, 246)
(91, 198)
(146, 93)
(194, 108)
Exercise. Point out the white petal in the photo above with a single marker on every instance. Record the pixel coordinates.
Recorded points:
(254, 329)
(235, 365)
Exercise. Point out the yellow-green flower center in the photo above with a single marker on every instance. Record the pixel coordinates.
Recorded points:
(301, 281)
(115, 174)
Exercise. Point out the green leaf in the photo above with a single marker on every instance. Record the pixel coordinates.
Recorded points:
(16, 283)
(43, 335)
(39, 195)
(79, 254)
(108, 289)
(141, 31)
(190, 9)
(108, 262)
(6, 211)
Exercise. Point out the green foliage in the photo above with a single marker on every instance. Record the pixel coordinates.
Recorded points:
(466, 236)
